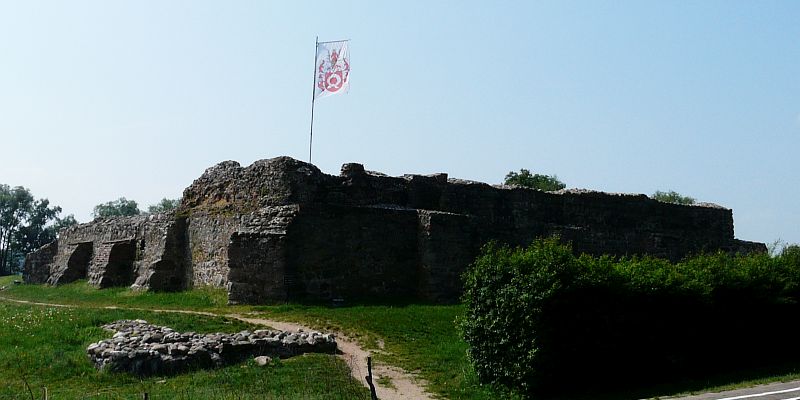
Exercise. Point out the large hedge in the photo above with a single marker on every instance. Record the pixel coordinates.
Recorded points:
(538, 317)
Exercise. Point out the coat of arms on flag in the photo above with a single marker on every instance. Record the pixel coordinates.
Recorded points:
(332, 69)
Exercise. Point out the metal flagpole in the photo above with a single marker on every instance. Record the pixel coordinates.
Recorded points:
(313, 92)
(334, 41)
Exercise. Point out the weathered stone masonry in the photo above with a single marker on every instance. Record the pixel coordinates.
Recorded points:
(143, 251)
(280, 229)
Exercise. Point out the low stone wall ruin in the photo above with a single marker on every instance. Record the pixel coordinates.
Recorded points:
(141, 348)
(281, 230)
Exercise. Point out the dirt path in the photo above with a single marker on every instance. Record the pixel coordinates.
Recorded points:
(404, 385)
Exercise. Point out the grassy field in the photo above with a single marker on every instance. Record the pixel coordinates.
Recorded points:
(44, 347)
(82, 294)
(419, 338)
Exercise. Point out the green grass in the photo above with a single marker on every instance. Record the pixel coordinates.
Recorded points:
(385, 381)
(422, 339)
(83, 294)
(417, 338)
(45, 347)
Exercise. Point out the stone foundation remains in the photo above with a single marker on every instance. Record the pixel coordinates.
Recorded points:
(140, 348)
(281, 230)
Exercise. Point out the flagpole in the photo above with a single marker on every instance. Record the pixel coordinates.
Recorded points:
(313, 92)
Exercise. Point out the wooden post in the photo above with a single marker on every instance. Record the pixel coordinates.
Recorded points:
(145, 396)
(369, 379)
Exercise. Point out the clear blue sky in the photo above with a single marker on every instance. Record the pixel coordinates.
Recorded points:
(102, 99)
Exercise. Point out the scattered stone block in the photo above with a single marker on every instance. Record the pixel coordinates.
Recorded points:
(263, 360)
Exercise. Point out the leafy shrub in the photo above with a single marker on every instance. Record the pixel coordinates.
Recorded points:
(673, 197)
(165, 205)
(116, 208)
(505, 294)
(539, 316)
(791, 255)
(524, 178)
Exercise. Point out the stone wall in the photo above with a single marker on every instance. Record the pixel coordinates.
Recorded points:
(257, 268)
(112, 263)
(71, 262)
(280, 229)
(446, 244)
(208, 235)
(145, 252)
(352, 252)
(228, 188)
(37, 264)
(257, 257)
(604, 223)
(163, 257)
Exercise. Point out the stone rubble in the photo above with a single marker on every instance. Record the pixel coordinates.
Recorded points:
(141, 348)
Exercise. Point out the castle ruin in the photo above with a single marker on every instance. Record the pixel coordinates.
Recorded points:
(280, 230)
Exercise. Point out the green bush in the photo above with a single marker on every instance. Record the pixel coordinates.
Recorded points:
(505, 294)
(524, 178)
(673, 197)
(119, 207)
(539, 317)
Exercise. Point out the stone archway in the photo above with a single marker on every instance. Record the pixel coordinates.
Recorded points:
(78, 263)
(119, 269)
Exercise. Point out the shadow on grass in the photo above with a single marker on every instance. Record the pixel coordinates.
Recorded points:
(349, 303)
(655, 388)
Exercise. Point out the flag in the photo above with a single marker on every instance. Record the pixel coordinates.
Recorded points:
(332, 69)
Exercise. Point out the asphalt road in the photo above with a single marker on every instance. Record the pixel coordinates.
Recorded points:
(772, 391)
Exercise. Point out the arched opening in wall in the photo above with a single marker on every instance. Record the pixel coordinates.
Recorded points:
(164, 277)
(119, 270)
(78, 263)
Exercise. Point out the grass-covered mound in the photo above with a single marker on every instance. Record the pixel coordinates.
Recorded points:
(538, 318)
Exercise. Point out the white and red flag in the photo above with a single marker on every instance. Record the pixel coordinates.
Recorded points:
(332, 69)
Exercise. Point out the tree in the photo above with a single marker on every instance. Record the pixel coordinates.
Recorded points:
(673, 197)
(35, 233)
(524, 178)
(24, 225)
(164, 205)
(116, 208)
(65, 222)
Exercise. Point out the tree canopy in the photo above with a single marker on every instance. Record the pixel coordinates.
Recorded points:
(25, 225)
(524, 178)
(164, 205)
(673, 197)
(120, 207)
